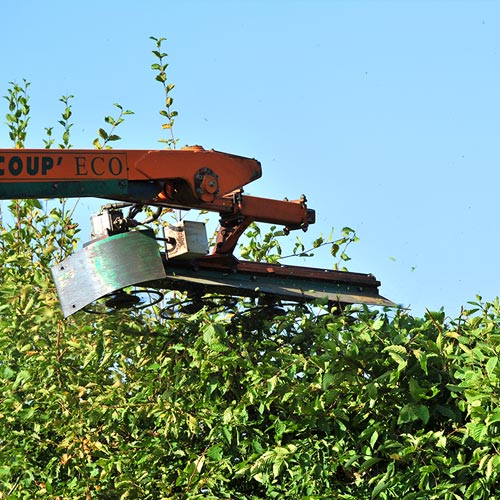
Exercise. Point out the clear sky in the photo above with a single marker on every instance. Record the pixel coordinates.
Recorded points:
(385, 114)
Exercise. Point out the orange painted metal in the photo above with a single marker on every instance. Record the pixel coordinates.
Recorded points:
(187, 178)
(206, 175)
(191, 177)
(248, 209)
(209, 174)
(288, 271)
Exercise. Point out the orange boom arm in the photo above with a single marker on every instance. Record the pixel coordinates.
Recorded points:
(188, 178)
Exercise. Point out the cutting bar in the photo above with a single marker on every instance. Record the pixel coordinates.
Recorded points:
(293, 283)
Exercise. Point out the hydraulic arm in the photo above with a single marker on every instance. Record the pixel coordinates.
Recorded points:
(190, 178)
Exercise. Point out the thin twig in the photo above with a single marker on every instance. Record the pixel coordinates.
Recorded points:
(14, 487)
(305, 252)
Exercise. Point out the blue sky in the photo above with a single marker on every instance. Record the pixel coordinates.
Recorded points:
(385, 114)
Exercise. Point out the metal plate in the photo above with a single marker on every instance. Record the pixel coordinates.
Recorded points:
(290, 288)
(105, 266)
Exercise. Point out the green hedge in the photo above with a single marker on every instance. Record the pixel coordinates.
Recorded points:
(241, 402)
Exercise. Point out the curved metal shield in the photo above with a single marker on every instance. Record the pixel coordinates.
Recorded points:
(106, 266)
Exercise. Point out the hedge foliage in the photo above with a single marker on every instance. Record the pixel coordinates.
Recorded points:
(240, 402)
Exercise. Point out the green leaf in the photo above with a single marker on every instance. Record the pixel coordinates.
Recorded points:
(491, 365)
(422, 359)
(22, 377)
(328, 379)
(318, 242)
(209, 334)
(8, 372)
(397, 353)
(36, 203)
(227, 416)
(271, 384)
(492, 467)
(411, 412)
(227, 434)
(215, 452)
(423, 413)
(478, 431)
(379, 487)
